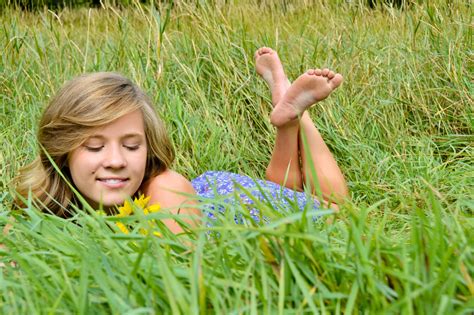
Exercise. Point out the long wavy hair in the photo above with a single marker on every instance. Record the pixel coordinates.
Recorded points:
(83, 104)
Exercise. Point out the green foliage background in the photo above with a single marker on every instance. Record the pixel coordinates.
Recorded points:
(400, 127)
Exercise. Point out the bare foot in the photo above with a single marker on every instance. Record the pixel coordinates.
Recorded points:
(311, 87)
(269, 67)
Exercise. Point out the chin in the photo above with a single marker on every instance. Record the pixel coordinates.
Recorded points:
(114, 202)
(107, 202)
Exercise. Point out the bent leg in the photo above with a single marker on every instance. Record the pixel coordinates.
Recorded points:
(315, 153)
(284, 167)
(329, 177)
(311, 87)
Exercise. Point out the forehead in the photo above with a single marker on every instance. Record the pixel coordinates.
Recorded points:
(131, 124)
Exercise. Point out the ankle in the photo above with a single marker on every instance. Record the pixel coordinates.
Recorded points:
(282, 124)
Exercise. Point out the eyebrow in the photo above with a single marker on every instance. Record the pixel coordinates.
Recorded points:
(126, 136)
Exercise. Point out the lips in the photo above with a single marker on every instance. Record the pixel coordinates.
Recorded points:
(113, 182)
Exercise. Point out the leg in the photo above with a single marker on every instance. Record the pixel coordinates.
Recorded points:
(330, 178)
(315, 153)
(284, 167)
(311, 87)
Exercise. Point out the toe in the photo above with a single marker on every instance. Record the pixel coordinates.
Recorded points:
(310, 71)
(325, 72)
(337, 80)
(265, 50)
(262, 51)
(317, 71)
(331, 75)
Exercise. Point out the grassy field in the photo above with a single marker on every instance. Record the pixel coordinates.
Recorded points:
(401, 128)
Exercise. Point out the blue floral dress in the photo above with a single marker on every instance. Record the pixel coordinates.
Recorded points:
(232, 189)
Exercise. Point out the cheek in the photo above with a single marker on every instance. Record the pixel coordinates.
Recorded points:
(137, 165)
(140, 162)
(81, 164)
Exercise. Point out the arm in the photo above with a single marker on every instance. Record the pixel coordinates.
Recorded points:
(170, 190)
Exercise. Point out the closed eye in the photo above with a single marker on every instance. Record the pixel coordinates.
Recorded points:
(94, 149)
(132, 147)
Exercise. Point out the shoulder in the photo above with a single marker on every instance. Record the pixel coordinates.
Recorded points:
(170, 181)
(174, 193)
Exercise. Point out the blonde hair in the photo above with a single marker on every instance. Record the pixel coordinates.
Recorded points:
(83, 104)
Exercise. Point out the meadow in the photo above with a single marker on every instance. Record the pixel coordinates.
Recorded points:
(400, 126)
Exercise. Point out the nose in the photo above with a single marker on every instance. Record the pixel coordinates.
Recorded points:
(115, 158)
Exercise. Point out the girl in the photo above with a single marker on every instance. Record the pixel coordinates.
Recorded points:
(103, 134)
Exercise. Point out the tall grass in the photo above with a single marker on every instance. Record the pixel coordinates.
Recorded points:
(401, 128)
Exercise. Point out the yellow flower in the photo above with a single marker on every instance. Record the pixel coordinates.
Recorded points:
(122, 227)
(152, 209)
(127, 210)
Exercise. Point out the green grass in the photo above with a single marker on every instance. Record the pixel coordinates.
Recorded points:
(401, 128)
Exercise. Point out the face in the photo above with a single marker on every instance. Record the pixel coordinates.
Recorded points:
(110, 165)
